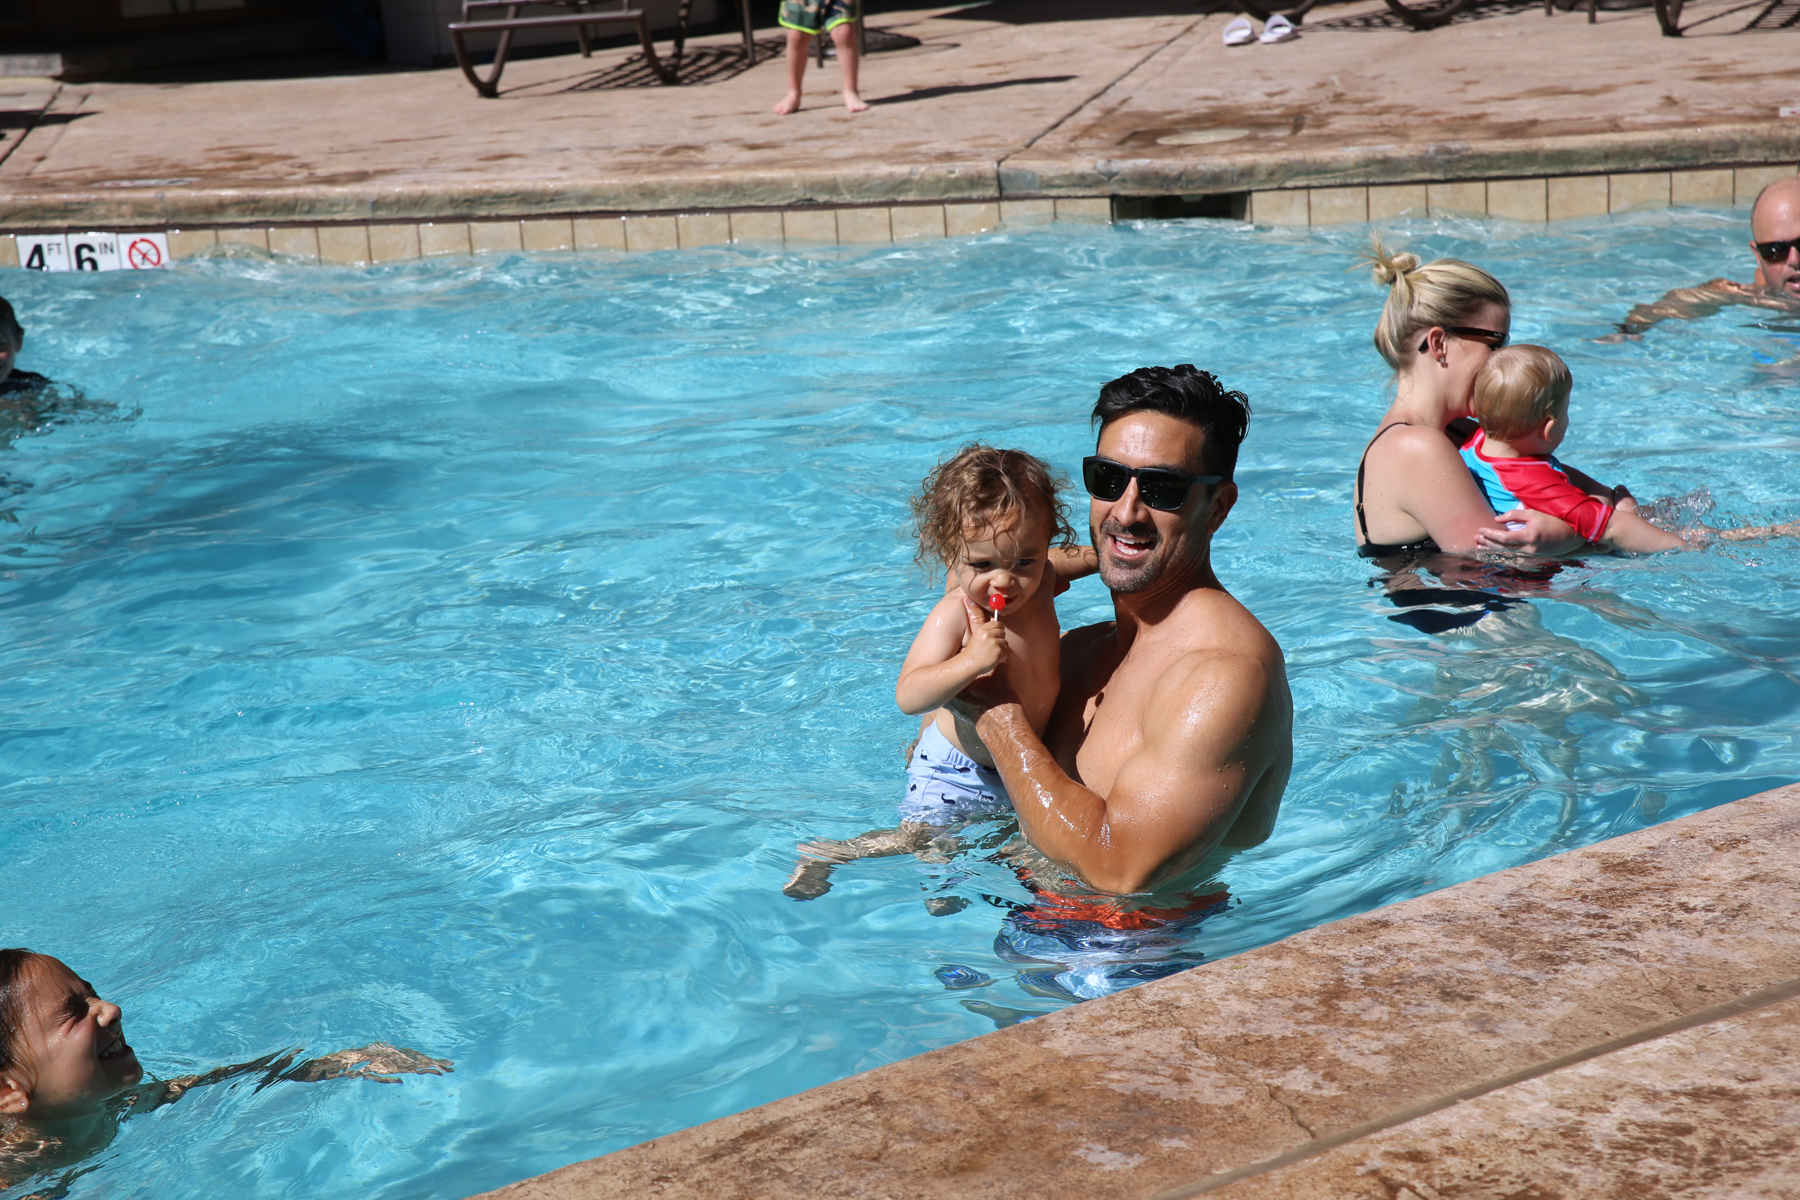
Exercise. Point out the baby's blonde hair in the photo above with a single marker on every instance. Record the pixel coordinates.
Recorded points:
(1519, 388)
(1445, 291)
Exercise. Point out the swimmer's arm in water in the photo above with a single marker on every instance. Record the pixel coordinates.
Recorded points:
(1684, 304)
(1211, 740)
(939, 665)
(377, 1061)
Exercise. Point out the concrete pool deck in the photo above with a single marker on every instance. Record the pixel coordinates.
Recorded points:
(1017, 111)
(1621, 1020)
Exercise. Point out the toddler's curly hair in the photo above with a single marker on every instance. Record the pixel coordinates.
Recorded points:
(981, 488)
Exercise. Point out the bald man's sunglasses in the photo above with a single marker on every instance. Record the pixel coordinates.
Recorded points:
(1163, 490)
(1774, 252)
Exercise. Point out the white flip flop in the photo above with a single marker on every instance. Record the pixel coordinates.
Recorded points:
(1278, 29)
(1239, 32)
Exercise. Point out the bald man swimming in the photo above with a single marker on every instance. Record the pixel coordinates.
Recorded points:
(1774, 236)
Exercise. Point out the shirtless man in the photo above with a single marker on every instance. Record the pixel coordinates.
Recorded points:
(1775, 236)
(1173, 732)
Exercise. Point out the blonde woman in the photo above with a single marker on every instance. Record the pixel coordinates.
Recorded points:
(1414, 494)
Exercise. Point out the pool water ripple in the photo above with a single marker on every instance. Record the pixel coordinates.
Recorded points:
(453, 653)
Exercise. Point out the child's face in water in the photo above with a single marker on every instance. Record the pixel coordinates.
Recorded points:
(70, 1053)
(1009, 563)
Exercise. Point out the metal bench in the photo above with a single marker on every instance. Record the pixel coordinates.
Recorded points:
(579, 18)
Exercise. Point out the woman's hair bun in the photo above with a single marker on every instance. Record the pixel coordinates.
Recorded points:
(1386, 268)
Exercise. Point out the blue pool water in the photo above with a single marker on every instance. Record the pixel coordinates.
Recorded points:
(453, 653)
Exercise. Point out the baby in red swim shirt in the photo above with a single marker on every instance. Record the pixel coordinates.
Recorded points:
(1522, 402)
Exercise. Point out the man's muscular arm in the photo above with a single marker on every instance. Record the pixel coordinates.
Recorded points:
(1203, 751)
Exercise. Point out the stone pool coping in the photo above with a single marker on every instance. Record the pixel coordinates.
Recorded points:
(1538, 199)
(1621, 1019)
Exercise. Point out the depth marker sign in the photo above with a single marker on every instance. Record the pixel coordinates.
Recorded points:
(94, 251)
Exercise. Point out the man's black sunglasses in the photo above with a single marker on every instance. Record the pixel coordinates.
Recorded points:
(1493, 337)
(1160, 489)
(1774, 252)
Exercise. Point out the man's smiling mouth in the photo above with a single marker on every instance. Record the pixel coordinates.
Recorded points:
(1126, 545)
(115, 1048)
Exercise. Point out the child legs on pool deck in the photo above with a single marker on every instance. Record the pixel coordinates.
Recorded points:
(804, 19)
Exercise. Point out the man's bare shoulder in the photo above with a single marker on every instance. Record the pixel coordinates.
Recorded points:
(1250, 671)
(1232, 655)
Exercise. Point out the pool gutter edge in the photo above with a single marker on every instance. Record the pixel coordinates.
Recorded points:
(1223, 1077)
(1036, 174)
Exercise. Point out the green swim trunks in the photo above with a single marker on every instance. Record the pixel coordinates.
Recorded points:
(819, 16)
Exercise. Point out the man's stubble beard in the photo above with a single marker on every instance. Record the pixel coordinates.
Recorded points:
(1127, 580)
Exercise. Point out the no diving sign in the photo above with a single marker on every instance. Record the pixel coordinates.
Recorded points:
(93, 251)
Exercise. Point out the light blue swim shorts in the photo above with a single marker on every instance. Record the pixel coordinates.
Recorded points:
(944, 785)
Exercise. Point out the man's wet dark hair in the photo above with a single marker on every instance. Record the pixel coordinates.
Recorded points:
(14, 976)
(1187, 394)
(9, 321)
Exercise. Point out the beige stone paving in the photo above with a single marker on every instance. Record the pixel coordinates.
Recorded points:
(1708, 1112)
(1166, 1088)
(390, 144)
(1355, 98)
(1008, 101)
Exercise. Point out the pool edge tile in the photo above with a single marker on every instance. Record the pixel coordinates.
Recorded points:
(645, 234)
(1571, 196)
(1391, 201)
(598, 233)
(911, 222)
(185, 243)
(693, 230)
(967, 220)
(347, 245)
(864, 226)
(547, 235)
(1748, 181)
(1085, 210)
(300, 242)
(495, 237)
(390, 243)
(756, 226)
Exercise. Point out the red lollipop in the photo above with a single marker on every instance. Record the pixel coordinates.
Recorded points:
(997, 602)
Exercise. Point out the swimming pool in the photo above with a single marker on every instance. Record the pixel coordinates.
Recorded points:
(453, 653)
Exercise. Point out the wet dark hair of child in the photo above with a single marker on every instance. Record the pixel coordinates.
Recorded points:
(982, 488)
(15, 974)
(9, 321)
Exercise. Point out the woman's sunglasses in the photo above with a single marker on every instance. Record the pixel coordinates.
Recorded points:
(1774, 252)
(1493, 337)
(1163, 490)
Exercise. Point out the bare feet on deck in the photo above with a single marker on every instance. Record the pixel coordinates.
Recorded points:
(788, 104)
(852, 101)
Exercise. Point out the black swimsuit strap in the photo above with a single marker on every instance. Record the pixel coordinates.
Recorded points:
(1362, 521)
